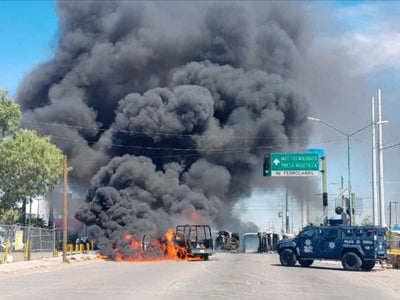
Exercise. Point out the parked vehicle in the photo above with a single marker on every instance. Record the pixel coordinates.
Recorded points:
(357, 247)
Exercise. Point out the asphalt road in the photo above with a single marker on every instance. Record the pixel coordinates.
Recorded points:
(225, 276)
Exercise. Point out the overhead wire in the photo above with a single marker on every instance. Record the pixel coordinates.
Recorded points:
(153, 132)
(176, 135)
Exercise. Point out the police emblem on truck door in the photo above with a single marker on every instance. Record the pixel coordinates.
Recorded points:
(308, 242)
(308, 248)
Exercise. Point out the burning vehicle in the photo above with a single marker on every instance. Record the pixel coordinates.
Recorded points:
(227, 241)
(187, 242)
(196, 240)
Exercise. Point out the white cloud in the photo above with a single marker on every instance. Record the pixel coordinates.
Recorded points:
(367, 53)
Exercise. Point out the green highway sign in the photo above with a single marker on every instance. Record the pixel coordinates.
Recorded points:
(294, 164)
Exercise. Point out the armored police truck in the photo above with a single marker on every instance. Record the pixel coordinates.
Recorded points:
(358, 247)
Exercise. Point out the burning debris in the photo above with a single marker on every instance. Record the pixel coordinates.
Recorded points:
(165, 119)
(162, 249)
(227, 241)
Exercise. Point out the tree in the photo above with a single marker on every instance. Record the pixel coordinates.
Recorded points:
(10, 115)
(366, 221)
(30, 165)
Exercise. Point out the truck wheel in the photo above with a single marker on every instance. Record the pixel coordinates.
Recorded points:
(351, 261)
(305, 262)
(367, 265)
(287, 258)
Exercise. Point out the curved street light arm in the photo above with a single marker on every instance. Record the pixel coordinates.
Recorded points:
(361, 129)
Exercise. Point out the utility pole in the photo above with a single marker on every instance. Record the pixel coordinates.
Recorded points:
(291, 213)
(381, 187)
(29, 229)
(390, 215)
(65, 212)
(341, 190)
(375, 212)
(287, 212)
(395, 212)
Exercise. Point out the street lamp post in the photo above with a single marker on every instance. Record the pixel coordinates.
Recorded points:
(395, 211)
(347, 135)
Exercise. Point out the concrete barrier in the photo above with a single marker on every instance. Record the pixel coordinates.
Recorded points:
(394, 260)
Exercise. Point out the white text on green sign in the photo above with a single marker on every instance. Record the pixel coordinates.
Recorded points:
(294, 164)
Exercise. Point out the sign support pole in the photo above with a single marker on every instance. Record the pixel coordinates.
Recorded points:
(324, 190)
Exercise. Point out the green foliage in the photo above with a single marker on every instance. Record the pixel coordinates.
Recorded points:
(37, 222)
(366, 221)
(390, 235)
(30, 165)
(10, 115)
(9, 216)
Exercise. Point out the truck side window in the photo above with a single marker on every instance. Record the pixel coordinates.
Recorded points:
(331, 233)
(309, 233)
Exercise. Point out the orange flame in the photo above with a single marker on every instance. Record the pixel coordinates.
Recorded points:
(193, 217)
(158, 250)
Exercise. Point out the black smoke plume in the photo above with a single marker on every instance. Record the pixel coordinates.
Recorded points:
(166, 109)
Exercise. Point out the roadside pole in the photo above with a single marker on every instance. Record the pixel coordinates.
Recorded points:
(65, 211)
(324, 191)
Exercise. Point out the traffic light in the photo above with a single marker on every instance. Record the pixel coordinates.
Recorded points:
(347, 201)
(267, 166)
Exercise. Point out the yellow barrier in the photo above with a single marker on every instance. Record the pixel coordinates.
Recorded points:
(70, 248)
(55, 253)
(81, 248)
(26, 256)
(87, 247)
(394, 251)
(76, 248)
(6, 252)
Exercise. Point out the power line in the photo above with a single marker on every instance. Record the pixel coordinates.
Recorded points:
(179, 135)
(168, 148)
(391, 146)
(154, 132)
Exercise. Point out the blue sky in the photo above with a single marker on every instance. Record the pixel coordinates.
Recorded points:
(28, 30)
(361, 39)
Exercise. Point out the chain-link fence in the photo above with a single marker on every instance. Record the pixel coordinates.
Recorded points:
(394, 243)
(25, 243)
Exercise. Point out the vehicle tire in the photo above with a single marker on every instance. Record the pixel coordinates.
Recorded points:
(181, 254)
(287, 258)
(305, 262)
(367, 265)
(351, 261)
(234, 245)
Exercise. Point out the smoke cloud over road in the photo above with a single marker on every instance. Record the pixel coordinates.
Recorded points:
(166, 109)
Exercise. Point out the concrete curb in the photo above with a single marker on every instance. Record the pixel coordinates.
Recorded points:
(17, 267)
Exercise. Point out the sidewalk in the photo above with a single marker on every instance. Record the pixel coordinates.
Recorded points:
(23, 266)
